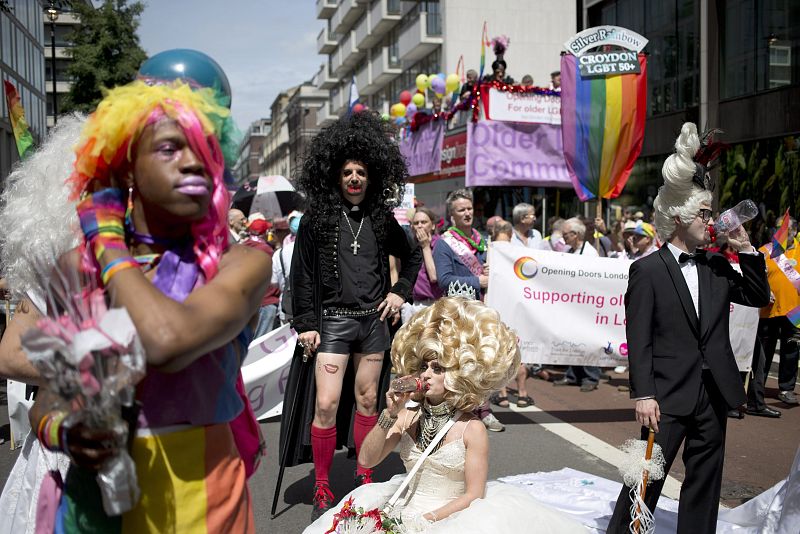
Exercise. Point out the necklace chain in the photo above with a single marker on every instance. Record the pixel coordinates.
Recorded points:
(432, 419)
(355, 246)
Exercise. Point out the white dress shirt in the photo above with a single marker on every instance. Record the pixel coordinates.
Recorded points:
(689, 272)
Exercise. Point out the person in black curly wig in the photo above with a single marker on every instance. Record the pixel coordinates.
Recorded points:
(352, 176)
(362, 137)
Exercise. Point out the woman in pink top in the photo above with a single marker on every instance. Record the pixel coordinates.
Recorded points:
(426, 289)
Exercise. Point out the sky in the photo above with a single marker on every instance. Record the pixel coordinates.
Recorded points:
(264, 46)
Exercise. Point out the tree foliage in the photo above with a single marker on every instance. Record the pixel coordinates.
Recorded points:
(106, 51)
(766, 171)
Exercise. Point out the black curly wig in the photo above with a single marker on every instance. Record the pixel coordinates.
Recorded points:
(362, 137)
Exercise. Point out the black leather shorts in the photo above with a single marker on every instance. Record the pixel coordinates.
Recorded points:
(351, 335)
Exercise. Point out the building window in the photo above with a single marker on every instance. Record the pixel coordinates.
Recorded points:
(673, 63)
(760, 40)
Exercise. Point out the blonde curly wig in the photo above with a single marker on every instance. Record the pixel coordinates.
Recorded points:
(479, 352)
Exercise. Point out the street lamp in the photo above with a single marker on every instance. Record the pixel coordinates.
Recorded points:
(52, 16)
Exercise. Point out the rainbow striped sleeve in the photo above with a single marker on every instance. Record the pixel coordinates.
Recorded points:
(602, 125)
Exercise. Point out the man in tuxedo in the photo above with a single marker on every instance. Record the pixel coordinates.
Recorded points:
(683, 375)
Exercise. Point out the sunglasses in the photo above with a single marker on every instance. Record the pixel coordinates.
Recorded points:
(704, 214)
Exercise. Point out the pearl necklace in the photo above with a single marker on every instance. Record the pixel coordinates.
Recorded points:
(431, 420)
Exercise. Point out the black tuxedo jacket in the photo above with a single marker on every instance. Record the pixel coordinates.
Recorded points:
(668, 343)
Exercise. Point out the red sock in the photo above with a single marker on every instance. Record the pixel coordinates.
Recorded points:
(361, 427)
(323, 445)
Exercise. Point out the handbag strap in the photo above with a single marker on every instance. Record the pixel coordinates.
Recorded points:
(428, 450)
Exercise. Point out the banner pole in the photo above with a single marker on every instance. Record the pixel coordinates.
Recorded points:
(598, 215)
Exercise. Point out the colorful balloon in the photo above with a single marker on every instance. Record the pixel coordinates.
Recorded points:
(405, 98)
(385, 117)
(358, 108)
(410, 110)
(431, 77)
(418, 100)
(422, 82)
(451, 83)
(442, 76)
(438, 86)
(401, 110)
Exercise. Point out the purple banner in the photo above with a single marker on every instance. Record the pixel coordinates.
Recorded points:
(423, 149)
(515, 153)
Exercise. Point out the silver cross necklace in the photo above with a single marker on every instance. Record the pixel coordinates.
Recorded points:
(355, 246)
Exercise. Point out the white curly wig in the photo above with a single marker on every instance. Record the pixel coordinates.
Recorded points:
(679, 196)
(39, 222)
(479, 352)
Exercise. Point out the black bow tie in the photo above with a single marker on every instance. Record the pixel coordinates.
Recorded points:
(696, 256)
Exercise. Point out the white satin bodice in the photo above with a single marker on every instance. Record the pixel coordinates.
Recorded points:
(438, 481)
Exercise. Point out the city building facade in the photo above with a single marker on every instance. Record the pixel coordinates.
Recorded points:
(277, 159)
(301, 118)
(385, 44)
(22, 64)
(250, 163)
(64, 22)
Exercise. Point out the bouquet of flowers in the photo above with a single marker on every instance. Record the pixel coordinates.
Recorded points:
(91, 358)
(352, 520)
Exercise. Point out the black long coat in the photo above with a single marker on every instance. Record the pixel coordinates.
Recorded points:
(314, 264)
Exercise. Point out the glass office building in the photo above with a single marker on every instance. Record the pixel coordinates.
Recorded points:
(21, 63)
(747, 83)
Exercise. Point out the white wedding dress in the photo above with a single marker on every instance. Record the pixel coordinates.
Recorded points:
(439, 480)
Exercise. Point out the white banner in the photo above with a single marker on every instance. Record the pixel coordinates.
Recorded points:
(266, 369)
(566, 309)
(743, 328)
(523, 107)
(569, 309)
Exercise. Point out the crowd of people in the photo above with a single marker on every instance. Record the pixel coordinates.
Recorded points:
(370, 301)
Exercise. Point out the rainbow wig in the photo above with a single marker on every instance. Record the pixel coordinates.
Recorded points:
(108, 142)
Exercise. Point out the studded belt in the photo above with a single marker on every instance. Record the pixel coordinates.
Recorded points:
(348, 312)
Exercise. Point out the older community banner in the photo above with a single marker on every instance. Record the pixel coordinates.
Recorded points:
(515, 154)
(570, 310)
(423, 148)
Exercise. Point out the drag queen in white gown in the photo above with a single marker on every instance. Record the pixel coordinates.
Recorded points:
(462, 352)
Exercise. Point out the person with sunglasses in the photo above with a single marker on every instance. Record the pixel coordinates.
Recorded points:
(683, 375)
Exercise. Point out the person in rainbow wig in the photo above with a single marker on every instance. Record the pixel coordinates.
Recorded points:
(153, 211)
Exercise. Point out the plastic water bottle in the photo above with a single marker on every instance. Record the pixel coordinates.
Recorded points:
(407, 384)
(733, 218)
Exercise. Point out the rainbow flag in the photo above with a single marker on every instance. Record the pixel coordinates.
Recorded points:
(780, 239)
(484, 44)
(17, 116)
(602, 127)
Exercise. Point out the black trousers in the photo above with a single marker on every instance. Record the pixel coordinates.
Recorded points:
(755, 391)
(770, 331)
(703, 436)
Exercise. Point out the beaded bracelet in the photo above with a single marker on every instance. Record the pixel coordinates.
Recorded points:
(115, 266)
(386, 421)
(52, 430)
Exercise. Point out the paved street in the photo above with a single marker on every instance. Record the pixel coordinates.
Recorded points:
(759, 451)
